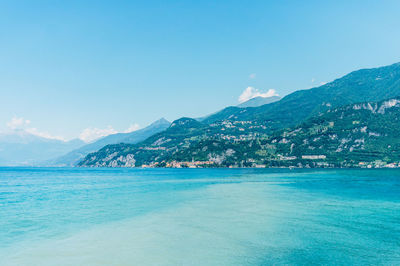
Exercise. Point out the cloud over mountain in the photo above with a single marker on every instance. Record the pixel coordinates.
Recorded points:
(91, 134)
(20, 123)
(251, 92)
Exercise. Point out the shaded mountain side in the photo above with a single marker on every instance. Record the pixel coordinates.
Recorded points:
(73, 157)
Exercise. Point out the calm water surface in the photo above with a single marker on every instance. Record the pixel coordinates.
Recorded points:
(67, 216)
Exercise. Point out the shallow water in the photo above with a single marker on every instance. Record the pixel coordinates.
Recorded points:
(71, 216)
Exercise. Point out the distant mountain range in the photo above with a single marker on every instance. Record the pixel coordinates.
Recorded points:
(239, 136)
(73, 157)
(22, 148)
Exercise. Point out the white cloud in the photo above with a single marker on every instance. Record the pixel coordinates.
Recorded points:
(132, 128)
(20, 123)
(312, 80)
(251, 92)
(252, 76)
(91, 134)
(43, 134)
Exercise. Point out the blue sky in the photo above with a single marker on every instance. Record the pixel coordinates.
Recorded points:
(70, 66)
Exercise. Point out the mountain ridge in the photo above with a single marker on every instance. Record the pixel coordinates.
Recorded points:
(73, 157)
(356, 135)
(302, 104)
(250, 123)
(258, 101)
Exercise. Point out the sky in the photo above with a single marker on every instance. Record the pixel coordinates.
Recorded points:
(84, 69)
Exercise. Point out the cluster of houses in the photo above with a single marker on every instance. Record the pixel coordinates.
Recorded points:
(175, 164)
(378, 164)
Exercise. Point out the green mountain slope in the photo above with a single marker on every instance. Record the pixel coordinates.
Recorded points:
(359, 86)
(148, 150)
(251, 126)
(356, 135)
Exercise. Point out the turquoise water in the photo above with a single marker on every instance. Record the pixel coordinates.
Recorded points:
(199, 217)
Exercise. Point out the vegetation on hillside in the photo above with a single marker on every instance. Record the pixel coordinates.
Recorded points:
(345, 123)
(356, 135)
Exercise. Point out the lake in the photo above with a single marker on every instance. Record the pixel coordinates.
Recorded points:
(79, 216)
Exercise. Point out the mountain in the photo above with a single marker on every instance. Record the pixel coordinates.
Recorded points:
(251, 125)
(73, 157)
(359, 86)
(258, 101)
(22, 148)
(183, 128)
(350, 136)
(356, 135)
